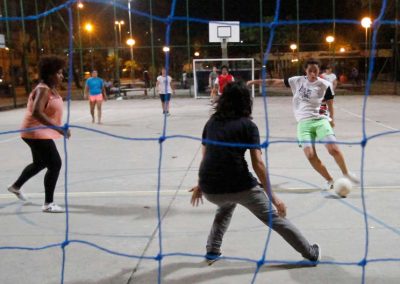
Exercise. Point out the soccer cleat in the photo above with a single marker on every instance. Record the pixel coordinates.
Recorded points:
(52, 208)
(212, 257)
(352, 177)
(329, 185)
(18, 193)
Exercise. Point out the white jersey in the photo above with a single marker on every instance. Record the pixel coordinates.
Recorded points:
(307, 96)
(329, 77)
(162, 81)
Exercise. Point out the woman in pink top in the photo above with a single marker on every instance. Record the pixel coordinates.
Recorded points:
(43, 118)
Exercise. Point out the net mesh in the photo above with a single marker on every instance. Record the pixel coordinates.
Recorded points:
(272, 25)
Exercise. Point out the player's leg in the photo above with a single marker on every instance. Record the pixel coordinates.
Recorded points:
(326, 134)
(99, 104)
(257, 202)
(316, 163)
(92, 104)
(222, 219)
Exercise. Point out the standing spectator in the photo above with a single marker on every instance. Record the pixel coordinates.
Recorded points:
(146, 80)
(211, 82)
(330, 77)
(45, 108)
(165, 89)
(184, 80)
(355, 76)
(95, 89)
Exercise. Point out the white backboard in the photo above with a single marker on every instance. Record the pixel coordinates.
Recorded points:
(220, 30)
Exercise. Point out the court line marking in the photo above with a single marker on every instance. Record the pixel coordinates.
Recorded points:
(368, 119)
(174, 191)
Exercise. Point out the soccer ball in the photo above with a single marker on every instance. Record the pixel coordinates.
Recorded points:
(342, 187)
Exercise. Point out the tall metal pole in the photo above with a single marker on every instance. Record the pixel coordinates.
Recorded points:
(223, 10)
(91, 51)
(24, 50)
(396, 48)
(188, 40)
(153, 62)
(366, 57)
(298, 36)
(116, 48)
(334, 33)
(10, 55)
(38, 38)
(261, 32)
(80, 49)
(130, 34)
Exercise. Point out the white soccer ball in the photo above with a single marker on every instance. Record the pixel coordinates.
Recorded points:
(342, 187)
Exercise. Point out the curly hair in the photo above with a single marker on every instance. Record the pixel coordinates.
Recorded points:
(312, 61)
(235, 102)
(49, 65)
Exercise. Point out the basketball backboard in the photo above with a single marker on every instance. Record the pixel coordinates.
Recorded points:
(221, 30)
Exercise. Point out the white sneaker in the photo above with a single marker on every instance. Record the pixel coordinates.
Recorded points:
(352, 177)
(329, 185)
(18, 193)
(52, 208)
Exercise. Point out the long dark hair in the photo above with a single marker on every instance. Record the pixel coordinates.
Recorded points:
(235, 102)
(49, 65)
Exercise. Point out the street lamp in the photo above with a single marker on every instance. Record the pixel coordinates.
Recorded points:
(329, 39)
(197, 54)
(131, 42)
(166, 49)
(119, 24)
(366, 24)
(342, 49)
(80, 5)
(293, 47)
(89, 29)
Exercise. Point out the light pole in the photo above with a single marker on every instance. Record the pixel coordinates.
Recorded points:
(366, 23)
(197, 54)
(119, 24)
(131, 42)
(80, 6)
(293, 47)
(329, 39)
(89, 29)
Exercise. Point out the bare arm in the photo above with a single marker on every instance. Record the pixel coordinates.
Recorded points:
(268, 82)
(331, 110)
(334, 84)
(261, 172)
(39, 104)
(197, 195)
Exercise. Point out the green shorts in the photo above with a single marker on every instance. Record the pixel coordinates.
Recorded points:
(314, 129)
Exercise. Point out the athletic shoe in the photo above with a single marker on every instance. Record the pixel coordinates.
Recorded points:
(212, 257)
(18, 193)
(52, 208)
(329, 185)
(318, 254)
(352, 177)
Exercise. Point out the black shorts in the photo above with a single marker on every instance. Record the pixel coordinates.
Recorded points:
(165, 97)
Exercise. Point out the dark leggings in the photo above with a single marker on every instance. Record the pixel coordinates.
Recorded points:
(45, 155)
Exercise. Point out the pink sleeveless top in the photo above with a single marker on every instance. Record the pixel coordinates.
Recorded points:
(53, 109)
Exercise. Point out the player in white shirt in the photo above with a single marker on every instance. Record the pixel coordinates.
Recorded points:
(331, 77)
(308, 93)
(165, 89)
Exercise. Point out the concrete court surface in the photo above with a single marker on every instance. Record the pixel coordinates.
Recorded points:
(112, 186)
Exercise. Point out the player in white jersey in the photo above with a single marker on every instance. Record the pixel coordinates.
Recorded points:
(308, 93)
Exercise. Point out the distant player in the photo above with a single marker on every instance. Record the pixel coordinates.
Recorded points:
(96, 93)
(225, 179)
(331, 77)
(165, 89)
(308, 93)
(223, 79)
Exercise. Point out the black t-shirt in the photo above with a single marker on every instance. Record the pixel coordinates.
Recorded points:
(224, 169)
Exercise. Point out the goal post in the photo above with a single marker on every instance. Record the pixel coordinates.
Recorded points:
(239, 68)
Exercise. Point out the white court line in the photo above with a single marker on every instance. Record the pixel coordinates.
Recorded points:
(166, 192)
(370, 120)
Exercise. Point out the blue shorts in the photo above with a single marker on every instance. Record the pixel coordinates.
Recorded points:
(165, 97)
